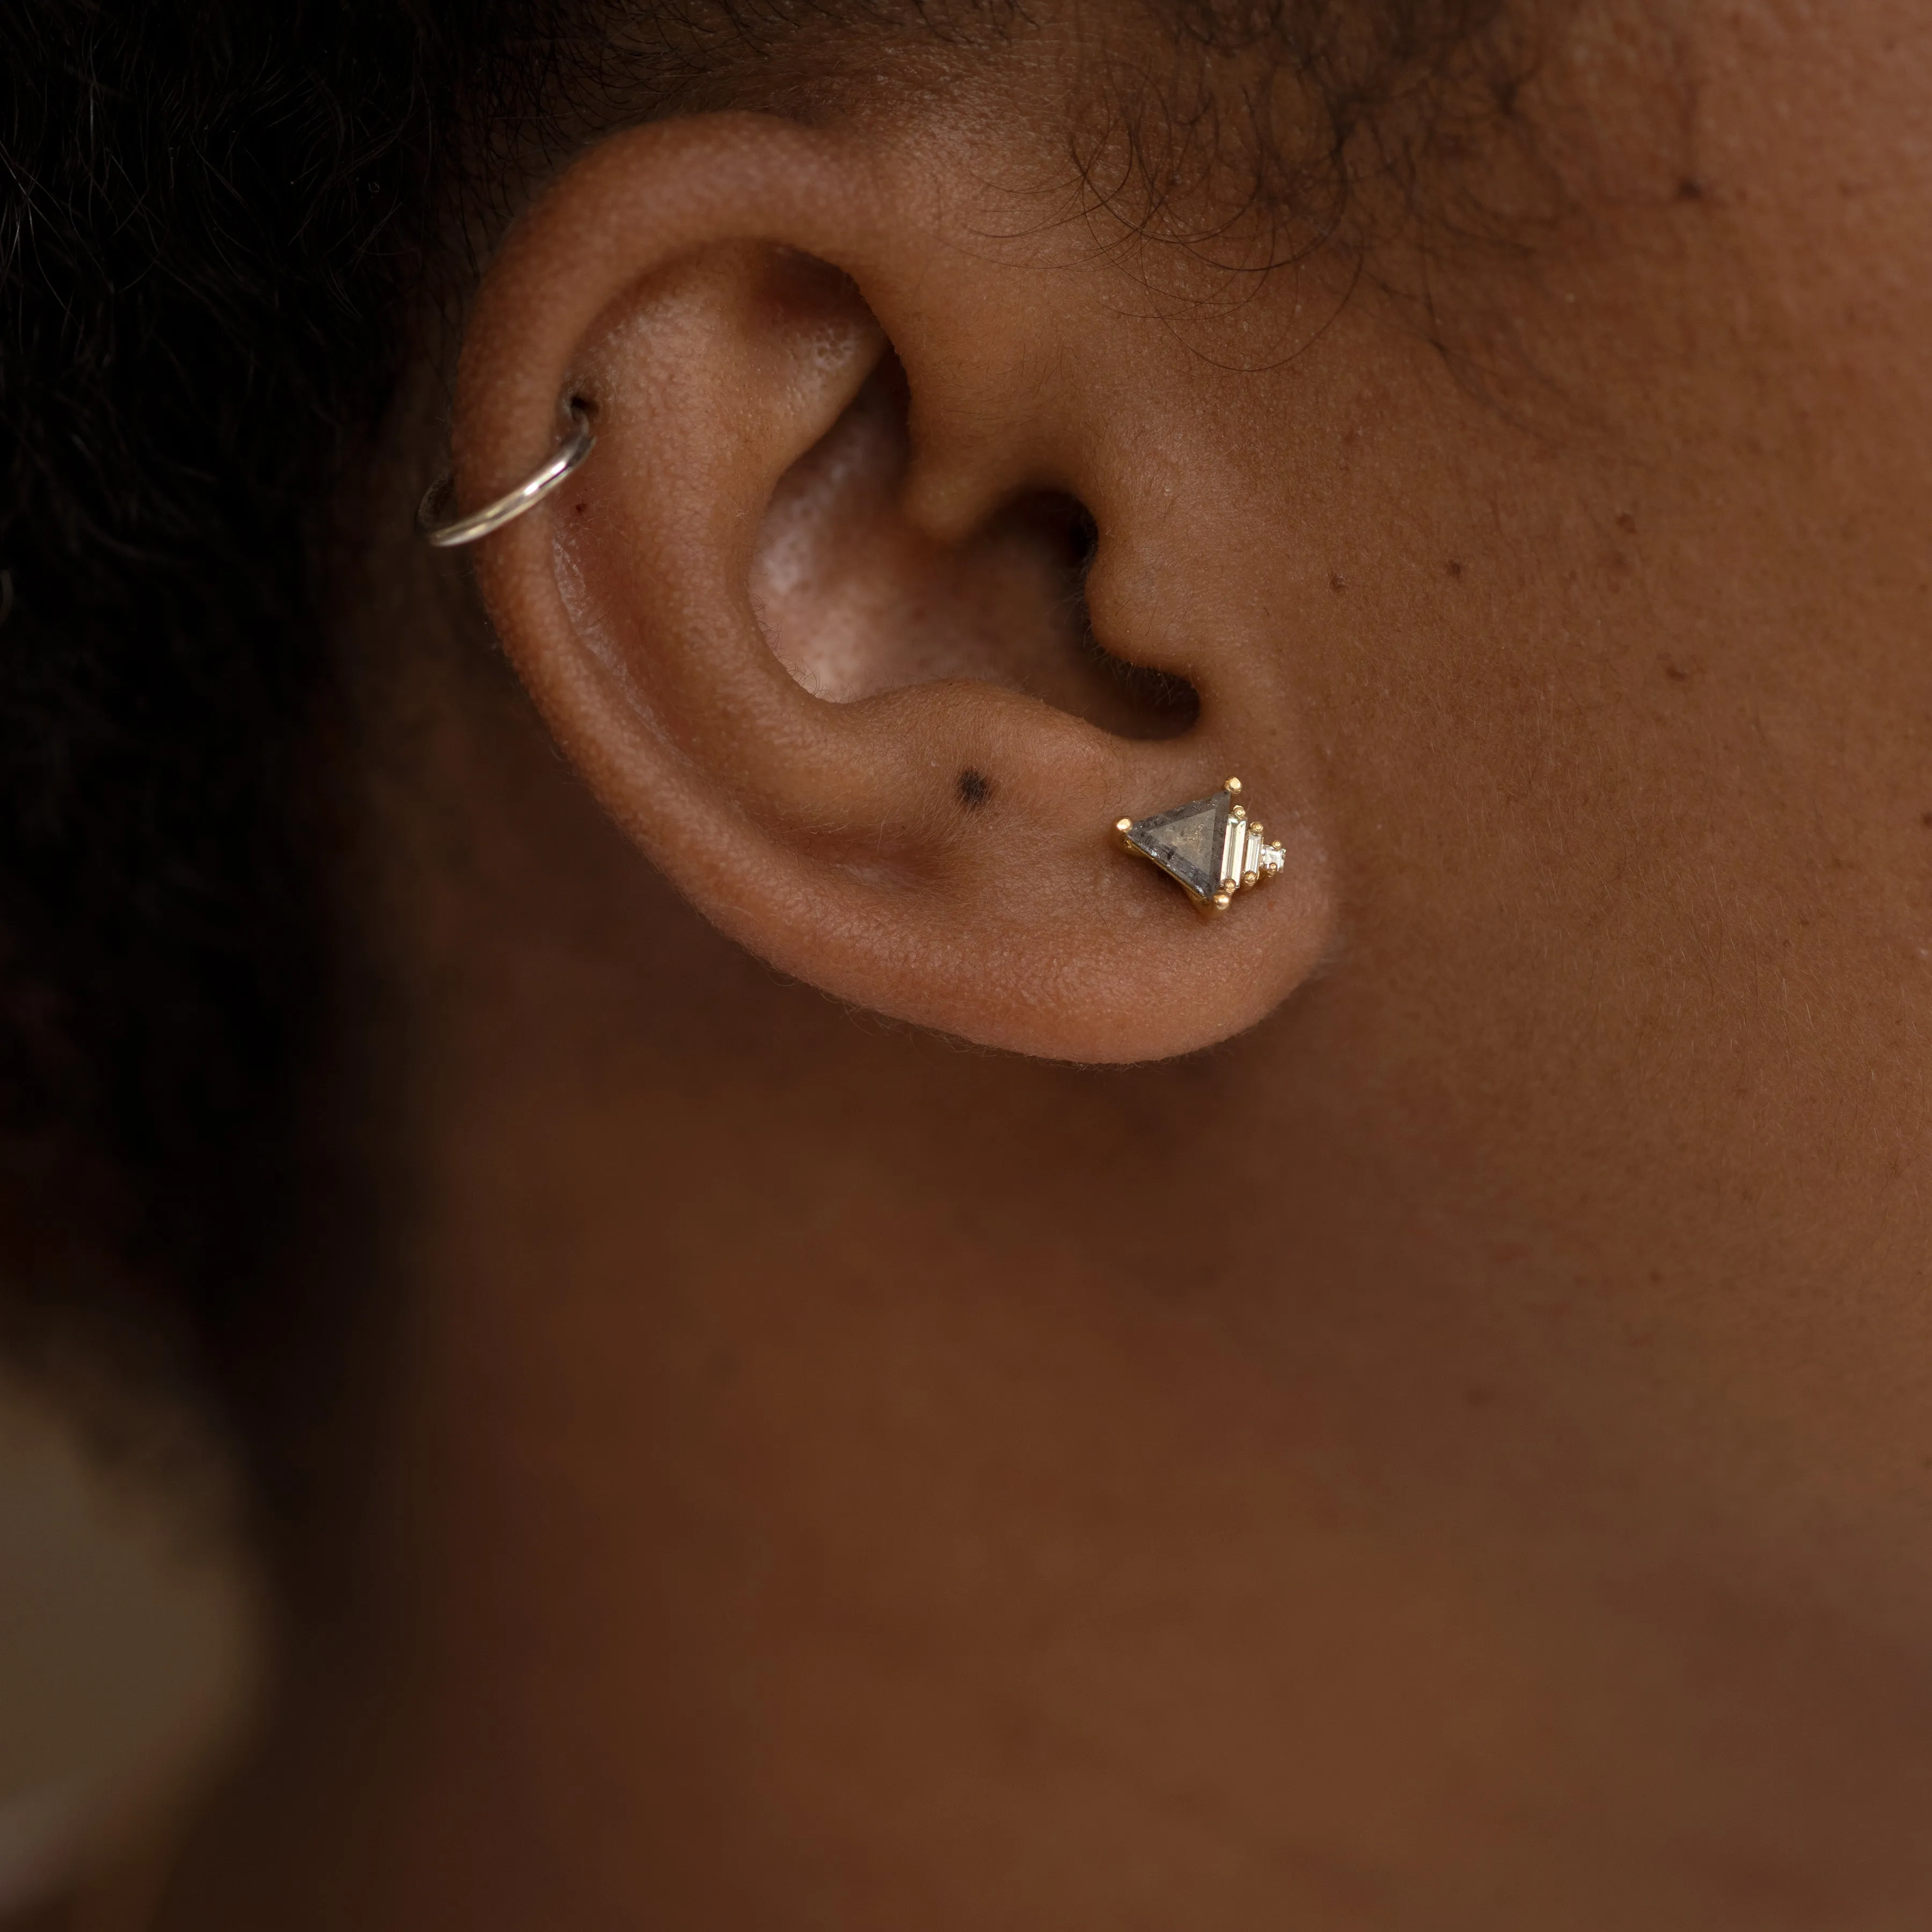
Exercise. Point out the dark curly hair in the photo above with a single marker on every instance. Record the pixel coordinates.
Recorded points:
(212, 216)
(215, 217)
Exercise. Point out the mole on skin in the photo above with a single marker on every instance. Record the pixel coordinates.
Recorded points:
(974, 789)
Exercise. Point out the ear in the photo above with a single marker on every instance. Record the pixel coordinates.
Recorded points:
(812, 619)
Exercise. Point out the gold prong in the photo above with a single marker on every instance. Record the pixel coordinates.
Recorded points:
(1231, 885)
(1240, 811)
(1251, 878)
(1220, 901)
(1233, 785)
(1124, 825)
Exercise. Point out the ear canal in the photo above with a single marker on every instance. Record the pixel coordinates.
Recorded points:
(856, 599)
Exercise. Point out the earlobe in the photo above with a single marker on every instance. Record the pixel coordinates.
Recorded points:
(884, 751)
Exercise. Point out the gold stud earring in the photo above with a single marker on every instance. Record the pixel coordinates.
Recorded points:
(1209, 847)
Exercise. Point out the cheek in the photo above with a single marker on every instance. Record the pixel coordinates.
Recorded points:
(1621, 723)
(1815, 131)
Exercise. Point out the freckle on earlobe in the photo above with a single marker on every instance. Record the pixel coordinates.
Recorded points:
(974, 789)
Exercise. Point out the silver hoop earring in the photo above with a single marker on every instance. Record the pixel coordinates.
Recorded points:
(506, 509)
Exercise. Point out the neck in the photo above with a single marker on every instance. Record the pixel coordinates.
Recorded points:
(835, 1478)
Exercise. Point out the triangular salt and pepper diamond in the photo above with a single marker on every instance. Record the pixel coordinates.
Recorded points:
(1186, 843)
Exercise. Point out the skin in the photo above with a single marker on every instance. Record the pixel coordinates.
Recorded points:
(1407, 1406)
